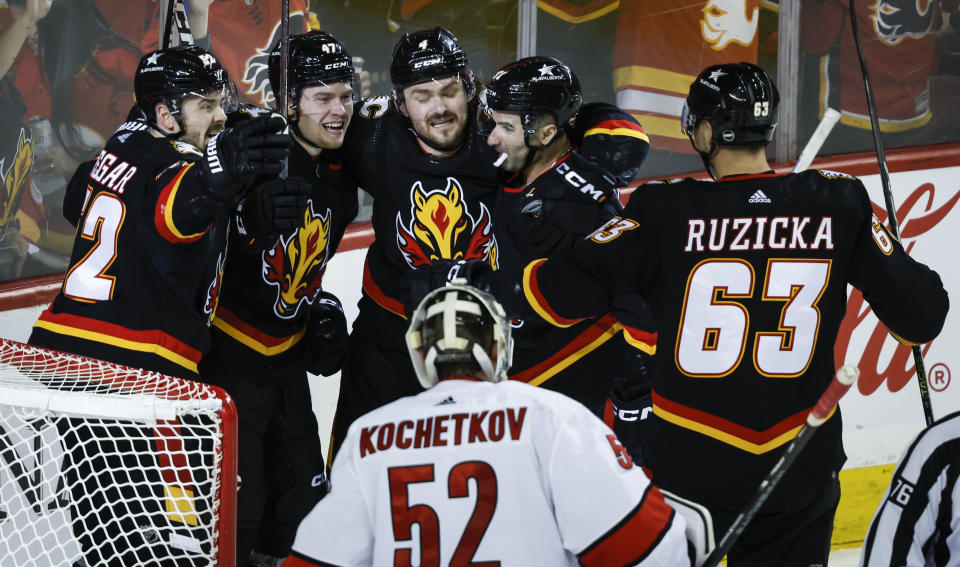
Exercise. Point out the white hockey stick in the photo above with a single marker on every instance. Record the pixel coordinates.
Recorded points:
(844, 378)
(810, 151)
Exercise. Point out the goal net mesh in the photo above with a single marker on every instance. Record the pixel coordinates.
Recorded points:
(101, 464)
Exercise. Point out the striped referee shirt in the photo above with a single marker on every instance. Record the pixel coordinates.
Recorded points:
(918, 523)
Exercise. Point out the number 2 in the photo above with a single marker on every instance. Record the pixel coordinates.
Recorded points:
(87, 280)
(404, 515)
(714, 326)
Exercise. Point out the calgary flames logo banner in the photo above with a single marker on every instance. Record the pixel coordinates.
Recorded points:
(13, 177)
(441, 227)
(295, 265)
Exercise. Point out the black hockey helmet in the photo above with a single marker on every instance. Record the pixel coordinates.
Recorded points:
(316, 58)
(532, 87)
(455, 326)
(169, 75)
(740, 101)
(428, 54)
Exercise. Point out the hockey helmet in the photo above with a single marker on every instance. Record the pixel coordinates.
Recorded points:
(316, 58)
(532, 87)
(429, 54)
(169, 75)
(740, 101)
(459, 325)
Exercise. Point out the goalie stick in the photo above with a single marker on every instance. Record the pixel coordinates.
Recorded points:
(844, 378)
(888, 201)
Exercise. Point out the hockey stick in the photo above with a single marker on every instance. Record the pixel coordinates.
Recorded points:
(284, 67)
(888, 200)
(844, 378)
(810, 151)
(175, 25)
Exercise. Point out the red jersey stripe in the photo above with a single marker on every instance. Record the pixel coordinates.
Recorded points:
(371, 288)
(632, 539)
(539, 304)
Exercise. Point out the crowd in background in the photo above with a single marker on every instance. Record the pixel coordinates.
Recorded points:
(67, 74)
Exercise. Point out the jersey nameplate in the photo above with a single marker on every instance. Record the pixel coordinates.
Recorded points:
(112, 172)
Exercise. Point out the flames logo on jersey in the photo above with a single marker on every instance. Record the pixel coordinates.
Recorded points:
(726, 21)
(894, 20)
(213, 290)
(295, 265)
(13, 179)
(256, 70)
(441, 227)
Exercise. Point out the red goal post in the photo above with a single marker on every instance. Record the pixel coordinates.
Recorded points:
(106, 464)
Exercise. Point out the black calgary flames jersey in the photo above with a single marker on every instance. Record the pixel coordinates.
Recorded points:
(747, 282)
(424, 208)
(147, 261)
(271, 282)
(562, 205)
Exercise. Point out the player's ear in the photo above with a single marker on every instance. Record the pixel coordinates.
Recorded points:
(548, 133)
(702, 135)
(166, 119)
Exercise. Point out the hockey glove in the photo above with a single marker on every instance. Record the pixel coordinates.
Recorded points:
(254, 146)
(441, 272)
(274, 207)
(630, 422)
(327, 334)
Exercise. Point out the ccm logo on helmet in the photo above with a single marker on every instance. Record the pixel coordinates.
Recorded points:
(581, 184)
(428, 62)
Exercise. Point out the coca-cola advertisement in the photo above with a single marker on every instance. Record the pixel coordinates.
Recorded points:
(885, 410)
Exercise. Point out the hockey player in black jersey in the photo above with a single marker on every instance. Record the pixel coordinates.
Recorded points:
(433, 183)
(746, 277)
(274, 322)
(552, 198)
(152, 214)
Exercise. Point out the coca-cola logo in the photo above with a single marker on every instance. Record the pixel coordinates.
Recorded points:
(917, 217)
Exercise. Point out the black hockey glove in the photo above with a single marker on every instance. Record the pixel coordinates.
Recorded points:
(327, 335)
(441, 272)
(274, 207)
(254, 146)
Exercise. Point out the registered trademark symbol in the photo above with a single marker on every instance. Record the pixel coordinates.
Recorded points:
(939, 377)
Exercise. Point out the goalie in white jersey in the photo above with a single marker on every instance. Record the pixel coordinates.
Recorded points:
(491, 472)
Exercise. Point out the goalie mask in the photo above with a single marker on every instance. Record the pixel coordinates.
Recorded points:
(170, 75)
(459, 326)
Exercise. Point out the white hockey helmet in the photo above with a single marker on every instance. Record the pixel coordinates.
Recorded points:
(459, 325)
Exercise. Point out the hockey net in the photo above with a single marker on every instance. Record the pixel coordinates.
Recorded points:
(102, 464)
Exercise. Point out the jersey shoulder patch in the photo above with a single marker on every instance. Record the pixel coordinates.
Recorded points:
(375, 106)
(185, 148)
(829, 174)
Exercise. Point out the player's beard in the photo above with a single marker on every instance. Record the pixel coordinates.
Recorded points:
(447, 143)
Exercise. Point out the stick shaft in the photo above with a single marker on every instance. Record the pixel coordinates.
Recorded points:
(888, 201)
(845, 377)
(284, 67)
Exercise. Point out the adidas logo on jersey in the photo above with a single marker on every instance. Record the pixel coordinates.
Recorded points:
(759, 197)
(446, 401)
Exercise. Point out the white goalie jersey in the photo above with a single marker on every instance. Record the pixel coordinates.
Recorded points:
(476, 473)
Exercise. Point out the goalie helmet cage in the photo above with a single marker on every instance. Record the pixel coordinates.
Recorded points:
(102, 464)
